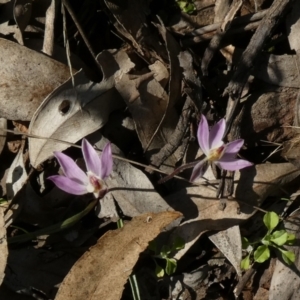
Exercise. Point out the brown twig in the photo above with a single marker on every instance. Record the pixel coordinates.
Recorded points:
(239, 24)
(81, 31)
(264, 30)
(216, 40)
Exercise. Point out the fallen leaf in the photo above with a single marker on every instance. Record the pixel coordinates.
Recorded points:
(70, 113)
(230, 244)
(23, 90)
(102, 272)
(16, 176)
(293, 27)
(132, 190)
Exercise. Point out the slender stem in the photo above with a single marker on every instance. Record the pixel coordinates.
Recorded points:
(132, 278)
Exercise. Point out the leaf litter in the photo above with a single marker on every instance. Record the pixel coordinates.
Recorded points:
(145, 92)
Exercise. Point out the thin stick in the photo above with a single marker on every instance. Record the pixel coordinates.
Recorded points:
(81, 31)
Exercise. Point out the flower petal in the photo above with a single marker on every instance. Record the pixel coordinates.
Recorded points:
(68, 185)
(91, 157)
(106, 161)
(199, 170)
(233, 165)
(203, 135)
(216, 134)
(70, 168)
(231, 150)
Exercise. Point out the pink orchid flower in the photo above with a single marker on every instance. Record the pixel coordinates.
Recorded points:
(223, 155)
(77, 182)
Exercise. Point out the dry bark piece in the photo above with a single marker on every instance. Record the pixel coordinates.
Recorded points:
(102, 271)
(280, 70)
(26, 78)
(268, 115)
(241, 75)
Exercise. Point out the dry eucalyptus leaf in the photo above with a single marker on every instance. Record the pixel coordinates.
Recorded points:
(283, 273)
(70, 113)
(132, 190)
(229, 242)
(293, 27)
(16, 176)
(147, 101)
(201, 208)
(102, 272)
(26, 78)
(3, 245)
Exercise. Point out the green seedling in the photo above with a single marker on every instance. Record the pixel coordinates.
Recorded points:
(186, 6)
(166, 254)
(273, 239)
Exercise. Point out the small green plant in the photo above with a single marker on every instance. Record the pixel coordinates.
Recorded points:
(187, 6)
(165, 254)
(273, 239)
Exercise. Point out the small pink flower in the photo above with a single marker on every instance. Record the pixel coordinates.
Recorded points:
(223, 155)
(77, 182)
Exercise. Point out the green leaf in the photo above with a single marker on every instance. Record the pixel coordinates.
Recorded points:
(171, 266)
(271, 220)
(182, 4)
(288, 256)
(261, 254)
(291, 238)
(245, 263)
(178, 244)
(266, 240)
(165, 251)
(189, 8)
(245, 243)
(159, 271)
(279, 237)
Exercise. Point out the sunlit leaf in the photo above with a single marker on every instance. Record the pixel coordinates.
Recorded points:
(290, 239)
(245, 263)
(271, 220)
(261, 254)
(288, 256)
(159, 271)
(171, 266)
(279, 237)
